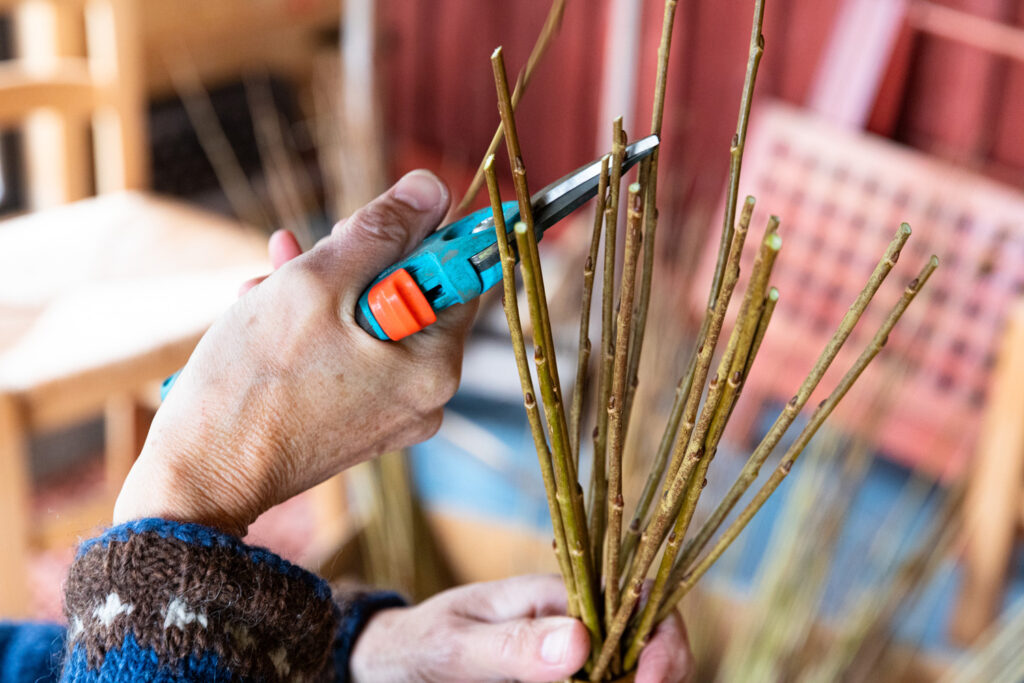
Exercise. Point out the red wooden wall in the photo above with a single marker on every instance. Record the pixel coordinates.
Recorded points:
(963, 103)
(953, 100)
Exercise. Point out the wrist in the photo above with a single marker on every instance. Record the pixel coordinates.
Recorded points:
(372, 657)
(172, 487)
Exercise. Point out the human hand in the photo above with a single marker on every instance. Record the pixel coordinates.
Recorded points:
(285, 389)
(498, 631)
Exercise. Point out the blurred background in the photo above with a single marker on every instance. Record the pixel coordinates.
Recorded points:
(148, 148)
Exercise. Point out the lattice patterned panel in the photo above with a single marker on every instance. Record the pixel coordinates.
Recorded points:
(841, 196)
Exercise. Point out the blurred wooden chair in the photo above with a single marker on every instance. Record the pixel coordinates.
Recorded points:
(841, 195)
(100, 300)
(77, 76)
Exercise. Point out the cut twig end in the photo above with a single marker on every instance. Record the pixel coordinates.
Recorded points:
(497, 53)
(773, 294)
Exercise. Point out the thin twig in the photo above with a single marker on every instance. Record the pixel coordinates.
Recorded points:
(214, 141)
(649, 181)
(738, 144)
(515, 329)
(817, 419)
(706, 350)
(583, 358)
(677, 430)
(598, 476)
(565, 484)
(552, 24)
(569, 498)
(770, 301)
(616, 402)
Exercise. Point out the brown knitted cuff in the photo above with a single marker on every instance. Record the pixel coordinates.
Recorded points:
(184, 591)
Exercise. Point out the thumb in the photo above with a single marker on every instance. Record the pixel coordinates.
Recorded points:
(547, 649)
(383, 231)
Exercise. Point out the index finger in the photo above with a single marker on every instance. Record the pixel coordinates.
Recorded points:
(520, 597)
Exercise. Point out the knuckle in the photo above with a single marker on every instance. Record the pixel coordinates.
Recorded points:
(381, 221)
(446, 655)
(512, 642)
(436, 386)
(308, 287)
(430, 425)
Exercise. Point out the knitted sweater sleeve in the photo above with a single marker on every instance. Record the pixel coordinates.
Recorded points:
(154, 600)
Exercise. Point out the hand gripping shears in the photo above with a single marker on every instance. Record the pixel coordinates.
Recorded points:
(459, 262)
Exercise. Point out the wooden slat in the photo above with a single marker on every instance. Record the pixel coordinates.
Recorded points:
(969, 29)
(66, 87)
(14, 502)
(994, 497)
(120, 126)
(58, 158)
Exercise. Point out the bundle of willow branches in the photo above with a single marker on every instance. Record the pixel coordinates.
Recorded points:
(606, 567)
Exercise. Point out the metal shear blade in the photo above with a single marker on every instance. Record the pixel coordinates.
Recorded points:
(565, 195)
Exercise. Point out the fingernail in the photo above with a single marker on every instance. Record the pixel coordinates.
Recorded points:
(555, 646)
(419, 189)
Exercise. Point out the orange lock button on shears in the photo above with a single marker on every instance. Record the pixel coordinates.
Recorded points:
(399, 305)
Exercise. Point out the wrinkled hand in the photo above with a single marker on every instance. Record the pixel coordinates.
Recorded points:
(285, 389)
(498, 631)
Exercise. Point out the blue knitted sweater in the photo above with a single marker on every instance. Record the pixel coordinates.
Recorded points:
(154, 600)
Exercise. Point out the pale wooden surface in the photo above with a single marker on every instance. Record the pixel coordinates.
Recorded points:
(99, 299)
(993, 506)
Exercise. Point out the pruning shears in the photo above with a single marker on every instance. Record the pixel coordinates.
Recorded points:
(460, 261)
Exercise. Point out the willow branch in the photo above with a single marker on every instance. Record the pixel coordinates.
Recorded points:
(738, 144)
(753, 465)
(616, 402)
(655, 476)
(598, 477)
(583, 358)
(565, 483)
(552, 25)
(819, 416)
(770, 301)
(515, 328)
(522, 187)
(569, 499)
(706, 350)
(649, 180)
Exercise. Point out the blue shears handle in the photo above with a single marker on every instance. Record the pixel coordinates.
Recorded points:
(452, 266)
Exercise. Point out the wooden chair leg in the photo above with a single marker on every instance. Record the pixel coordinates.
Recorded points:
(126, 424)
(57, 156)
(330, 508)
(992, 507)
(14, 510)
